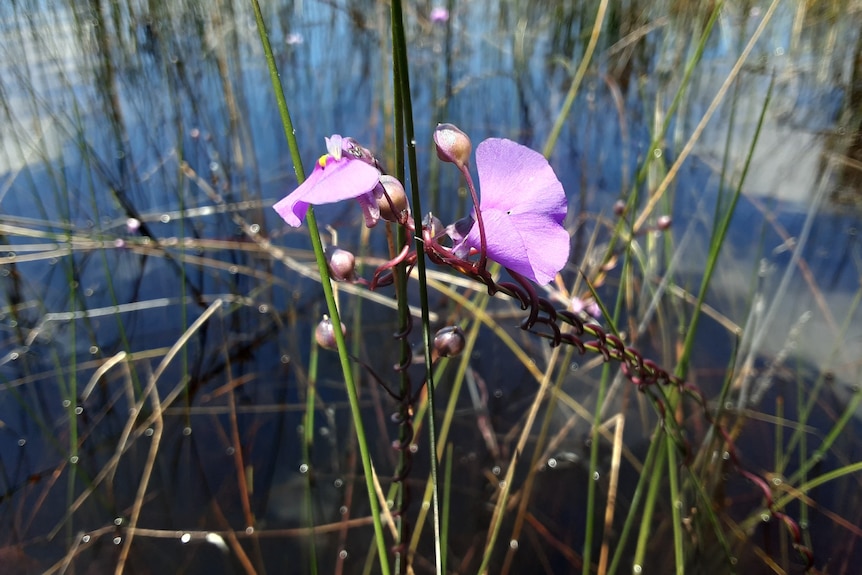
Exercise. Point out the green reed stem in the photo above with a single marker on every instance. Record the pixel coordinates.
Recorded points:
(576, 82)
(328, 295)
(717, 240)
(404, 109)
(307, 443)
(403, 309)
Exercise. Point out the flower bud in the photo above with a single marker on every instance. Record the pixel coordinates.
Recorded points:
(324, 334)
(449, 341)
(397, 196)
(453, 145)
(341, 263)
(663, 222)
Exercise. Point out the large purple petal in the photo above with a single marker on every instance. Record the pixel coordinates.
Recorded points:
(516, 179)
(333, 181)
(523, 206)
(533, 246)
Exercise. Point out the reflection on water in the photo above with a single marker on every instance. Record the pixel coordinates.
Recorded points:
(162, 112)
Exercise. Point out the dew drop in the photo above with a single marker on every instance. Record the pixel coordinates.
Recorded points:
(88, 292)
(338, 483)
(249, 530)
(324, 431)
(596, 476)
(233, 270)
(342, 510)
(657, 152)
(149, 432)
(94, 349)
(164, 218)
(776, 481)
(85, 539)
(22, 442)
(73, 460)
(117, 540)
(303, 468)
(496, 470)
(66, 403)
(213, 166)
(426, 505)
(343, 554)
(118, 521)
(637, 569)
(14, 355)
(263, 308)
(187, 431)
(79, 410)
(230, 450)
(186, 537)
(254, 228)
(552, 463)
(765, 517)
(513, 544)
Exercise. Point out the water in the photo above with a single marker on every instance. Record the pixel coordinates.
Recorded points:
(163, 112)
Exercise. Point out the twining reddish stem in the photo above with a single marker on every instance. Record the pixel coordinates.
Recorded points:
(483, 252)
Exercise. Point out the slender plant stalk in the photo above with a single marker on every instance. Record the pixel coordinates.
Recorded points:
(399, 48)
(576, 82)
(328, 295)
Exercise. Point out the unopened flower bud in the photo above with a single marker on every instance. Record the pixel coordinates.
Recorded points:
(453, 145)
(449, 341)
(396, 194)
(663, 222)
(341, 263)
(324, 334)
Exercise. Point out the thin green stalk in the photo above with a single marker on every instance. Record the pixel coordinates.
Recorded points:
(676, 504)
(651, 499)
(649, 464)
(403, 310)
(307, 442)
(404, 103)
(447, 489)
(717, 240)
(576, 82)
(328, 295)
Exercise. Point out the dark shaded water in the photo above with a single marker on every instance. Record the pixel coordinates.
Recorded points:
(103, 106)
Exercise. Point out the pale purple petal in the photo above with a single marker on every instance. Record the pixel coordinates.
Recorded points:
(528, 244)
(331, 181)
(516, 179)
(523, 206)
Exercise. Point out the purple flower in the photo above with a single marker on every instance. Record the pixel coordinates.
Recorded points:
(347, 171)
(523, 206)
(439, 15)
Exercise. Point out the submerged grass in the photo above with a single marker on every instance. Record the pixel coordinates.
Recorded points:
(118, 439)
